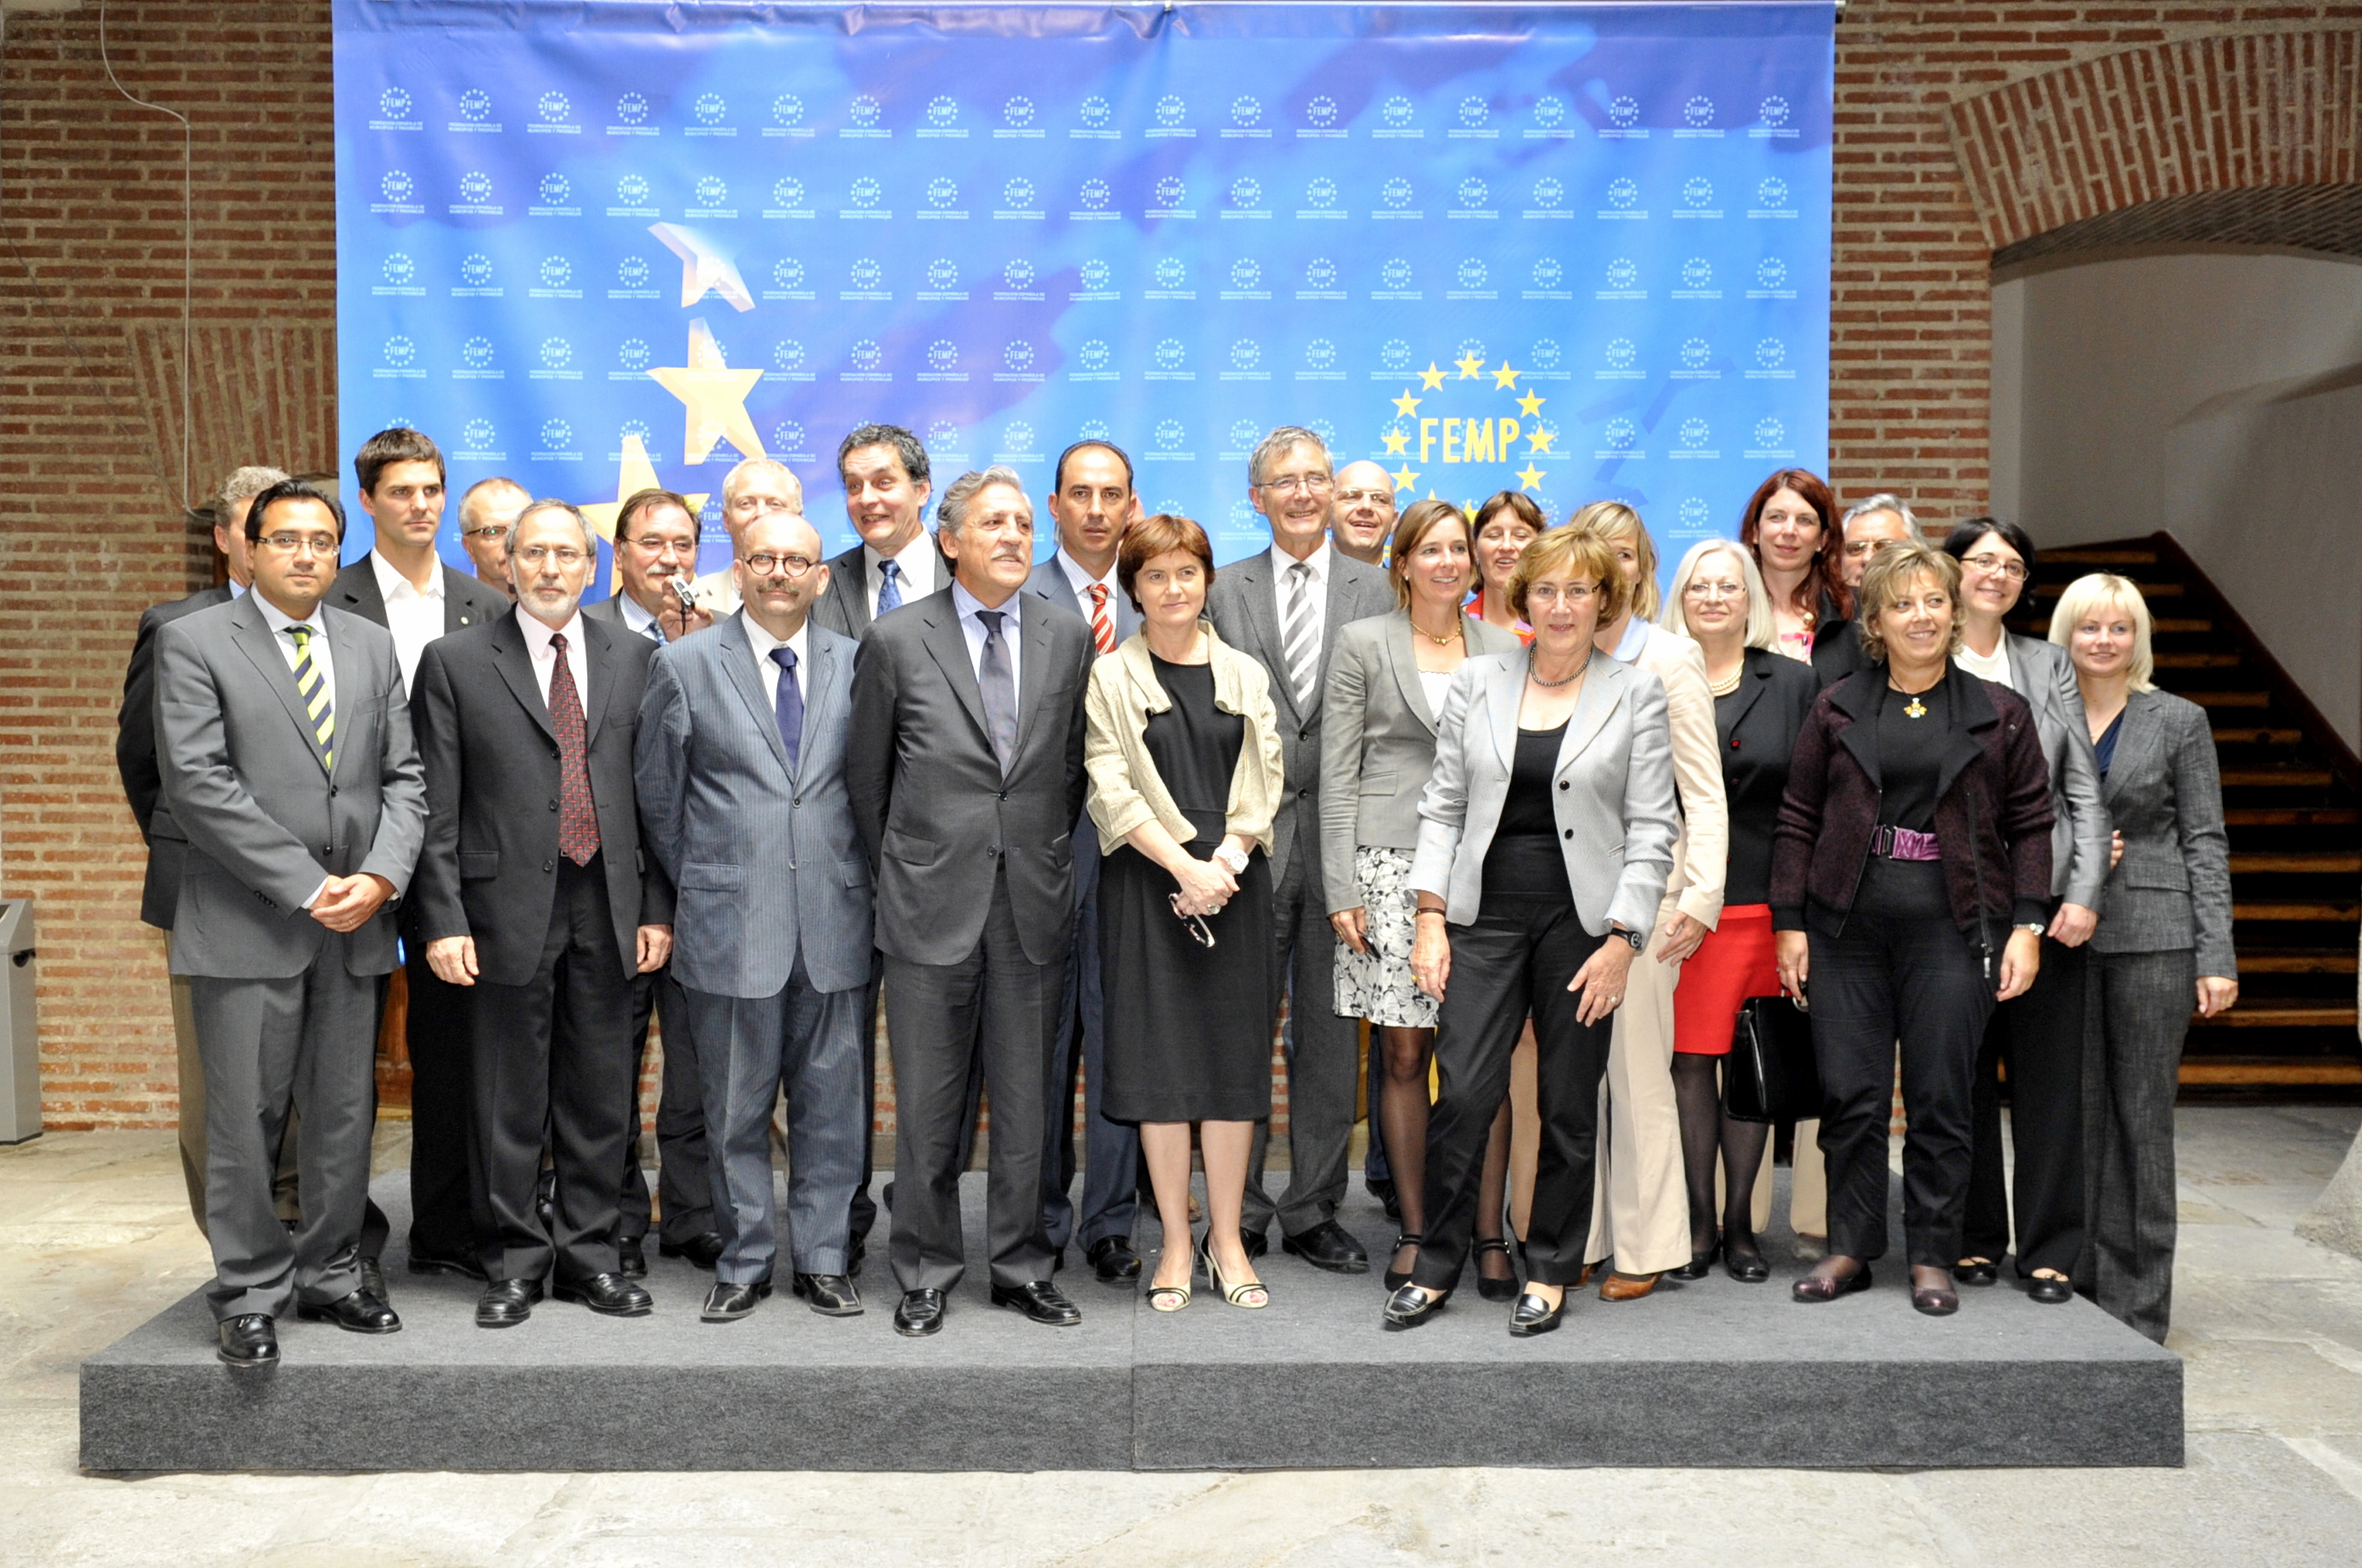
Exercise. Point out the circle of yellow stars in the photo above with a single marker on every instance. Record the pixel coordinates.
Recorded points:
(1471, 368)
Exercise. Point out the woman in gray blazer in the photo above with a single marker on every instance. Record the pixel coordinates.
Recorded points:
(2037, 1037)
(1545, 839)
(2164, 940)
(1388, 677)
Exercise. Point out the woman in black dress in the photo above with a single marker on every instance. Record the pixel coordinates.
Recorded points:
(1183, 756)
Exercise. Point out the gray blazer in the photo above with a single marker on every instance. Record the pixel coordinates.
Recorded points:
(1377, 741)
(2165, 790)
(1050, 580)
(2080, 846)
(1615, 805)
(264, 820)
(767, 863)
(1243, 604)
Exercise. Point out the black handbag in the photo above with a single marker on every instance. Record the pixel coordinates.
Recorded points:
(1771, 1075)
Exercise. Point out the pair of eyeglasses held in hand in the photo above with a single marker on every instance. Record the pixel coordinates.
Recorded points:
(1200, 932)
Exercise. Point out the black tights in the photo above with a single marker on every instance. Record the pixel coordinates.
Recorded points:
(1402, 1114)
(1705, 1130)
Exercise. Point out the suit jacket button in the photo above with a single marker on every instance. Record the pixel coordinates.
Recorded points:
(553, 805)
(796, 801)
(1568, 834)
(549, 865)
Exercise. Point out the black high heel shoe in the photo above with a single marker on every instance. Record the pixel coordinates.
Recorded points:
(1493, 1289)
(1700, 1264)
(1746, 1267)
(1399, 1278)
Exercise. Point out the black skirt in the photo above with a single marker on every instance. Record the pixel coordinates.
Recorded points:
(1188, 1028)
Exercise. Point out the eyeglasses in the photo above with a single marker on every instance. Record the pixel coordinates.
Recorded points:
(288, 544)
(1991, 562)
(1857, 548)
(489, 531)
(764, 564)
(653, 547)
(1355, 497)
(1550, 593)
(1200, 932)
(1289, 484)
(564, 555)
(1705, 590)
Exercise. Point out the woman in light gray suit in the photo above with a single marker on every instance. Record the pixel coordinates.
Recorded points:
(1546, 837)
(1388, 677)
(2164, 942)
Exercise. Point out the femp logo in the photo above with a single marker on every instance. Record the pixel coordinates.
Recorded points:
(1246, 354)
(1170, 273)
(632, 272)
(1470, 273)
(943, 353)
(1320, 113)
(1017, 114)
(787, 273)
(476, 270)
(1246, 109)
(556, 271)
(556, 442)
(1396, 112)
(1171, 111)
(786, 355)
(1548, 273)
(943, 111)
(1771, 199)
(631, 109)
(1623, 274)
(1396, 192)
(1620, 435)
(1474, 112)
(1549, 112)
(478, 436)
(1167, 194)
(1321, 273)
(1698, 272)
(393, 104)
(553, 107)
(475, 106)
(633, 354)
(1096, 194)
(400, 351)
(1623, 111)
(399, 268)
(1698, 111)
(862, 111)
(1696, 353)
(1394, 356)
(1168, 436)
(1620, 354)
(1623, 194)
(942, 192)
(1170, 354)
(866, 356)
(1773, 111)
(865, 192)
(398, 189)
(1094, 112)
(787, 110)
(1094, 355)
(1320, 354)
(1544, 355)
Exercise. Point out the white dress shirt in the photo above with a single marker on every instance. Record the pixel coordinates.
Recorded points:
(543, 652)
(920, 568)
(321, 660)
(636, 618)
(1282, 566)
(415, 617)
(968, 604)
(1080, 578)
(762, 642)
(1994, 668)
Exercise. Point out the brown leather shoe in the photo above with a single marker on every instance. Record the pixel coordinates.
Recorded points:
(1617, 1287)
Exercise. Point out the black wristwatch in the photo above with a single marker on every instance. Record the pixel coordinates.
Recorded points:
(1634, 937)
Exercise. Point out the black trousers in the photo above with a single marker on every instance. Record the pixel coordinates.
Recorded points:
(1890, 978)
(2039, 1038)
(685, 1178)
(554, 1056)
(1513, 960)
(447, 1204)
(862, 1212)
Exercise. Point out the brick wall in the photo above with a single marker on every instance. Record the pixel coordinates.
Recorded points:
(1940, 156)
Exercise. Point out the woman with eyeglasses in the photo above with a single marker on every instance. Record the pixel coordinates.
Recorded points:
(1183, 751)
(1388, 677)
(1546, 835)
(1505, 524)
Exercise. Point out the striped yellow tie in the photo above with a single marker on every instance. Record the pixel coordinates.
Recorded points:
(314, 687)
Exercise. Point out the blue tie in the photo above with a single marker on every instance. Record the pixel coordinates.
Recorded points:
(791, 706)
(889, 592)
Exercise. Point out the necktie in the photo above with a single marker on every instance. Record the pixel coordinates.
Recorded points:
(313, 687)
(889, 592)
(791, 706)
(1297, 646)
(1000, 689)
(1102, 628)
(577, 819)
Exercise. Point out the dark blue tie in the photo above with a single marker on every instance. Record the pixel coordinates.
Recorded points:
(791, 706)
(889, 592)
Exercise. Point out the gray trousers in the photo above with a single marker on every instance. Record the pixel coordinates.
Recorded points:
(1110, 1160)
(809, 1042)
(193, 1121)
(1324, 1063)
(2132, 1072)
(309, 1044)
(684, 1178)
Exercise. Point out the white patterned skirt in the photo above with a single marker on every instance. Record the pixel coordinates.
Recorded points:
(1377, 984)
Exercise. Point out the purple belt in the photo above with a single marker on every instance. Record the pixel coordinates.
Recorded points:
(1902, 844)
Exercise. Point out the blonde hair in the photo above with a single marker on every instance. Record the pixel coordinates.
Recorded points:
(1891, 571)
(1762, 631)
(1618, 523)
(2098, 589)
(1569, 548)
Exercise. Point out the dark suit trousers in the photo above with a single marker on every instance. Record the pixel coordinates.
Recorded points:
(1001, 1004)
(1513, 960)
(447, 1212)
(307, 1043)
(861, 1213)
(1111, 1156)
(684, 1178)
(2132, 1074)
(1324, 1060)
(2038, 1038)
(1916, 981)
(554, 1056)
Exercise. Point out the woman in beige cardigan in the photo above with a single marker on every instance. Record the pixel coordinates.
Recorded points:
(1182, 750)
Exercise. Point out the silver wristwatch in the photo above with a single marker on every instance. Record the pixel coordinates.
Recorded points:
(2035, 926)
(1231, 856)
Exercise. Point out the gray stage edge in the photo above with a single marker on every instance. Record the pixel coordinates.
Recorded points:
(1713, 1374)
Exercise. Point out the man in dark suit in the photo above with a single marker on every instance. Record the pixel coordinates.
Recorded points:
(288, 766)
(1286, 608)
(533, 898)
(403, 585)
(655, 547)
(1093, 503)
(965, 771)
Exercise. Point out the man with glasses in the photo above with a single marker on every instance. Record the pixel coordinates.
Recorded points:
(758, 487)
(485, 512)
(288, 765)
(1867, 525)
(742, 786)
(1285, 608)
(534, 898)
(1361, 511)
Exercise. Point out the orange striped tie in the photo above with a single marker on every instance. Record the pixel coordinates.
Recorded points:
(1102, 628)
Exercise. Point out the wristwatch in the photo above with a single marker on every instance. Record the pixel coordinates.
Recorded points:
(1634, 937)
(1235, 857)
(2035, 926)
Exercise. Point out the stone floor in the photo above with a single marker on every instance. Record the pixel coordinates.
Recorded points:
(95, 1239)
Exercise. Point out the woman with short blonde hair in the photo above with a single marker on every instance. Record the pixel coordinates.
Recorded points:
(1620, 525)
(1892, 575)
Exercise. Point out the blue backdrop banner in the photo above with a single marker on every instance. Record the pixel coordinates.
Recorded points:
(1579, 250)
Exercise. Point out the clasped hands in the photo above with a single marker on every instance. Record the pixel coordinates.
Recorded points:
(1204, 885)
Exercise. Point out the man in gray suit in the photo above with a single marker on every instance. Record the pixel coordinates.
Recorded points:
(966, 767)
(742, 785)
(1093, 503)
(1286, 608)
(288, 765)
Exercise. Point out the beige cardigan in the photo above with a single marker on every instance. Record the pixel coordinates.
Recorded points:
(1125, 790)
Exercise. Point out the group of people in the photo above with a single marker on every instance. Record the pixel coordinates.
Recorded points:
(1107, 819)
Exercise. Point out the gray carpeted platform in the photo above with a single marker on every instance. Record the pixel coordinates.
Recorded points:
(1710, 1374)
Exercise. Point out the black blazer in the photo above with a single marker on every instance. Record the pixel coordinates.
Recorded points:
(467, 601)
(845, 608)
(1837, 644)
(1757, 727)
(134, 759)
(488, 867)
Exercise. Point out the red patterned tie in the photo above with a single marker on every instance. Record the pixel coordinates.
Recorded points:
(1102, 629)
(577, 819)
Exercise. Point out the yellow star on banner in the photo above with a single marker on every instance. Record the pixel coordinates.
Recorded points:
(715, 396)
(1404, 477)
(1529, 477)
(635, 475)
(1430, 378)
(1505, 376)
(1532, 403)
(1397, 443)
(1406, 404)
(703, 268)
(1468, 510)
(1539, 442)
(1470, 368)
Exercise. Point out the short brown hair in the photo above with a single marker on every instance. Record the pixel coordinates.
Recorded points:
(1564, 548)
(399, 445)
(1891, 570)
(1411, 531)
(1156, 535)
(643, 501)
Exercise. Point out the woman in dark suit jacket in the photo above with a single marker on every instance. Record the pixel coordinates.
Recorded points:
(2164, 939)
(1910, 876)
(1760, 701)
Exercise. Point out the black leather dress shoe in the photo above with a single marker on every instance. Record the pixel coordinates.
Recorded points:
(358, 1313)
(703, 1251)
(1820, 1288)
(1531, 1316)
(1257, 1242)
(726, 1303)
(1327, 1246)
(632, 1256)
(1747, 1268)
(854, 1259)
(609, 1295)
(1041, 1301)
(1698, 1267)
(373, 1279)
(422, 1261)
(919, 1313)
(2050, 1290)
(1414, 1305)
(1984, 1271)
(505, 1303)
(1936, 1302)
(247, 1342)
(831, 1294)
(1113, 1262)
(1384, 1191)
